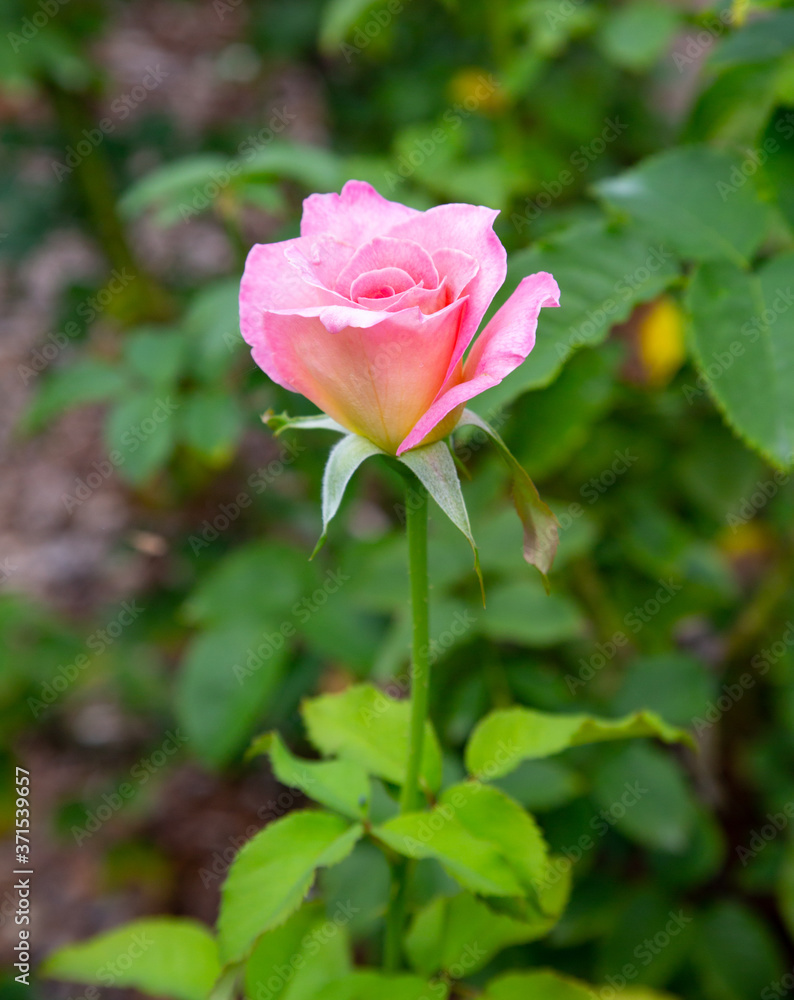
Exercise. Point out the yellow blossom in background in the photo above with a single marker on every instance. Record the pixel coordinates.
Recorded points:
(739, 9)
(660, 341)
(477, 89)
(751, 538)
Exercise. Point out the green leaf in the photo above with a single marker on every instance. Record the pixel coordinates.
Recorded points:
(540, 525)
(645, 796)
(226, 681)
(369, 985)
(461, 934)
(172, 183)
(80, 383)
(256, 583)
(273, 872)
(294, 961)
(338, 17)
(680, 195)
(364, 725)
(676, 686)
(166, 957)
(646, 911)
(211, 423)
(760, 41)
(434, 467)
(637, 34)
(345, 457)
(743, 334)
(483, 839)
(603, 273)
(341, 785)
(140, 434)
(540, 985)
(736, 956)
(212, 328)
(523, 613)
(279, 422)
(313, 167)
(155, 355)
(506, 737)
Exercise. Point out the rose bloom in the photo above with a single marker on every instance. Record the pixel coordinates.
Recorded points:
(370, 311)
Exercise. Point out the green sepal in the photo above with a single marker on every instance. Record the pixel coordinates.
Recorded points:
(280, 422)
(541, 528)
(434, 467)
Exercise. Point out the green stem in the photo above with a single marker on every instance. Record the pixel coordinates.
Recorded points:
(410, 797)
(416, 527)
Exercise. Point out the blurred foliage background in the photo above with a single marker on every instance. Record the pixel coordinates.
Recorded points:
(157, 607)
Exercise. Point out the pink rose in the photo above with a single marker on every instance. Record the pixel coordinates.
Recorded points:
(369, 313)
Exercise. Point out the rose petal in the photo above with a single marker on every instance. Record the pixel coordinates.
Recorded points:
(374, 373)
(319, 259)
(367, 285)
(383, 251)
(457, 267)
(468, 228)
(354, 216)
(271, 282)
(501, 347)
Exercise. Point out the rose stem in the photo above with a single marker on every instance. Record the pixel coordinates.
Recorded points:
(410, 798)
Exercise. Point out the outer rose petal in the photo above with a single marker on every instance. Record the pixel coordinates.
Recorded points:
(270, 281)
(354, 216)
(501, 347)
(376, 374)
(468, 228)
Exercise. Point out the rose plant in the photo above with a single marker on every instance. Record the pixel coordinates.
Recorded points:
(370, 314)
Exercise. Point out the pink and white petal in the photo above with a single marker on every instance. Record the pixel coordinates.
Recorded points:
(270, 282)
(500, 349)
(369, 284)
(354, 216)
(510, 335)
(319, 259)
(468, 228)
(376, 377)
(383, 251)
(457, 267)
